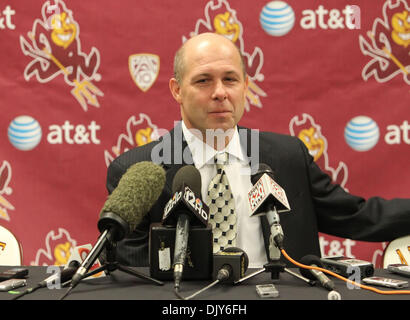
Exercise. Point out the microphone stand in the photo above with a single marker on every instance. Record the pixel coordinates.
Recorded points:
(111, 265)
(275, 266)
(308, 281)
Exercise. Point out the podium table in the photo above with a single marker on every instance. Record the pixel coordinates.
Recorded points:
(122, 286)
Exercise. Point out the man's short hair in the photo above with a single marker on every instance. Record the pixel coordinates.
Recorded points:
(179, 63)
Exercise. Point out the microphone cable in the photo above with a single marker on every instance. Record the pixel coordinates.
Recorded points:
(66, 293)
(219, 279)
(238, 261)
(64, 276)
(27, 291)
(387, 292)
(31, 290)
(202, 290)
(223, 274)
(178, 295)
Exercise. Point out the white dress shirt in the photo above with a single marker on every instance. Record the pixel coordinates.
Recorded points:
(249, 230)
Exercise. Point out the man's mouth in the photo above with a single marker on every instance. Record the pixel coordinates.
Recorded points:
(220, 113)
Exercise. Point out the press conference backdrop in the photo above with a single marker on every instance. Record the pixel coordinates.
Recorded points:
(83, 81)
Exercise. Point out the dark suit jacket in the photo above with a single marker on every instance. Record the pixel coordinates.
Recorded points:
(317, 205)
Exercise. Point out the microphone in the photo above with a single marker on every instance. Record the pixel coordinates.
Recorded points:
(268, 198)
(312, 260)
(65, 275)
(229, 266)
(266, 193)
(138, 189)
(187, 209)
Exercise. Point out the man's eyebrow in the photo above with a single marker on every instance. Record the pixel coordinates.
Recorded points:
(231, 71)
(203, 74)
(207, 74)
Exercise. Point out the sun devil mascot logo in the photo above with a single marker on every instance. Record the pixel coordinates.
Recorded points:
(54, 44)
(139, 131)
(5, 177)
(307, 130)
(57, 251)
(388, 44)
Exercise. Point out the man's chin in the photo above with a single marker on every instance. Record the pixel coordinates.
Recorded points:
(221, 125)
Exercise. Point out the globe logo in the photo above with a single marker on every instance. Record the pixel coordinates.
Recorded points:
(24, 133)
(362, 133)
(277, 18)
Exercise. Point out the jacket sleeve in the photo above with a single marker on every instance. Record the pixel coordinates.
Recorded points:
(342, 214)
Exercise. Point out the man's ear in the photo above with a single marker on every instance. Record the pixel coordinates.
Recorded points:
(175, 89)
(246, 83)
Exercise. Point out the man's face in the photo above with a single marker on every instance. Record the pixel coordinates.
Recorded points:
(213, 88)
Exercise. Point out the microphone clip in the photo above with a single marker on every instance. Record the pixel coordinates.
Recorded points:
(275, 267)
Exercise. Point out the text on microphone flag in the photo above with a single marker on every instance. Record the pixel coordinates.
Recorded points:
(264, 188)
(256, 195)
(280, 194)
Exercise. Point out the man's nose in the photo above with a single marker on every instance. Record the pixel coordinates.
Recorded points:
(219, 91)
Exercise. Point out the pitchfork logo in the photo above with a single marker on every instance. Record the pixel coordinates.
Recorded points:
(55, 47)
(388, 44)
(5, 190)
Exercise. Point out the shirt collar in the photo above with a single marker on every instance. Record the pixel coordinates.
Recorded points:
(203, 153)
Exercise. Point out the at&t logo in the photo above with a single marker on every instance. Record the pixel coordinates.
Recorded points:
(362, 133)
(6, 21)
(25, 133)
(277, 18)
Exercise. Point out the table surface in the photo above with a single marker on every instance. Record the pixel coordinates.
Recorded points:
(121, 286)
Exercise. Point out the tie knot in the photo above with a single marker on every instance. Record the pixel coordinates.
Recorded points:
(221, 159)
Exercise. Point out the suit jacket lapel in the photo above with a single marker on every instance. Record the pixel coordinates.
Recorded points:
(180, 154)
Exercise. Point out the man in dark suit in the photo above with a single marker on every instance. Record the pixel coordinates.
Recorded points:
(210, 86)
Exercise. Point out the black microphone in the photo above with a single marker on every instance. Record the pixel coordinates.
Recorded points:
(312, 260)
(65, 275)
(137, 191)
(229, 266)
(187, 208)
